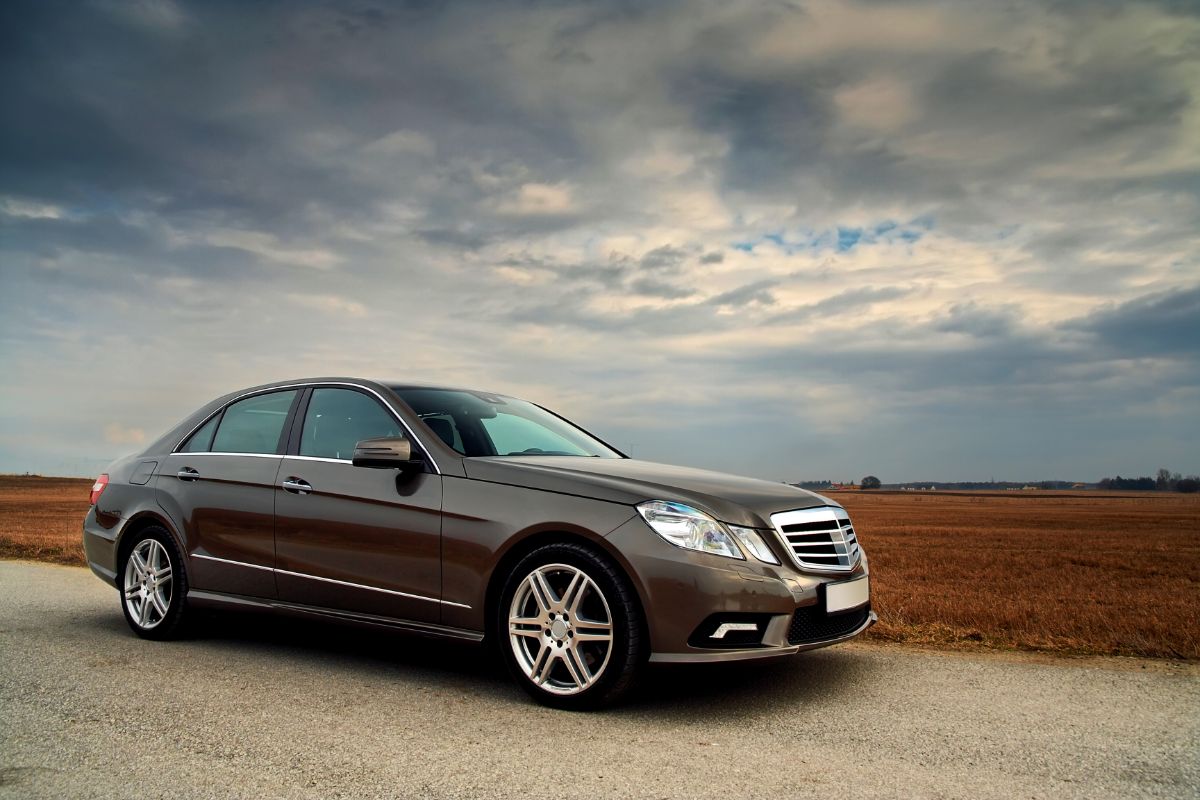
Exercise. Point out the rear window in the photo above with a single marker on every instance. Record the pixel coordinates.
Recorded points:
(253, 425)
(201, 440)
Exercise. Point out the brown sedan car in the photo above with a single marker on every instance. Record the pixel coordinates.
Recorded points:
(476, 516)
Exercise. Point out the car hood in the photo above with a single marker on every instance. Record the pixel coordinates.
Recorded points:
(729, 498)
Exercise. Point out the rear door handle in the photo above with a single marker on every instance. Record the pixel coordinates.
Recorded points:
(187, 474)
(297, 486)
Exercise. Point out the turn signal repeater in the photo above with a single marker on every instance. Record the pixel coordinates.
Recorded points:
(98, 488)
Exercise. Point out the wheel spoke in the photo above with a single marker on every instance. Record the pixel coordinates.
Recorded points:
(542, 665)
(144, 612)
(160, 603)
(542, 593)
(575, 590)
(164, 574)
(532, 635)
(533, 626)
(139, 563)
(592, 626)
(577, 675)
(131, 591)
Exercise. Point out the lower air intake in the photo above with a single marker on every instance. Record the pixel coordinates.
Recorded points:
(812, 624)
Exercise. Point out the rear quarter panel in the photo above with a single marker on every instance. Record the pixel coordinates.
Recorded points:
(122, 507)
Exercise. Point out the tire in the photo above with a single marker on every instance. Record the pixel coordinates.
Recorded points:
(153, 585)
(569, 627)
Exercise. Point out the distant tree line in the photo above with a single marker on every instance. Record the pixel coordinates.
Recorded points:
(1165, 481)
(869, 482)
(988, 485)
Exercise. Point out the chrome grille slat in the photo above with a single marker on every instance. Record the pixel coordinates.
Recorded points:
(809, 530)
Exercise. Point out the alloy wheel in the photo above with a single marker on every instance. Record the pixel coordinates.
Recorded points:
(148, 584)
(560, 629)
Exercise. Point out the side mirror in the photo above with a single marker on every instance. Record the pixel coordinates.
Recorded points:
(389, 452)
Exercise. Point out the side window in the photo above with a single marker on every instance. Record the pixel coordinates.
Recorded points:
(337, 419)
(201, 440)
(253, 425)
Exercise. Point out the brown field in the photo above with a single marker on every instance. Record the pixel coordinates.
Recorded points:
(1074, 573)
(42, 518)
(1085, 572)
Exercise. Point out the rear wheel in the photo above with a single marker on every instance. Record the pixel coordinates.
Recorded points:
(570, 627)
(154, 585)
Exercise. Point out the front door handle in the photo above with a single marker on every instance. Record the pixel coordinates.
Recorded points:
(296, 485)
(187, 474)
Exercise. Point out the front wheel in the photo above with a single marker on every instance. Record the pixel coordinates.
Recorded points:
(571, 627)
(154, 585)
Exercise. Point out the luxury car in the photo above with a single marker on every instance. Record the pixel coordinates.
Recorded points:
(476, 516)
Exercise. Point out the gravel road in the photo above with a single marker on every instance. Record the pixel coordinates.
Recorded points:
(259, 707)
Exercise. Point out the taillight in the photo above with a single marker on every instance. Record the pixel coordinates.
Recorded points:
(98, 488)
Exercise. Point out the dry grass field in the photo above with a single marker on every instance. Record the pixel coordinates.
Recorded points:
(1076, 573)
(1088, 572)
(42, 518)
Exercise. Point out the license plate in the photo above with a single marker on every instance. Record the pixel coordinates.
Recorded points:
(851, 594)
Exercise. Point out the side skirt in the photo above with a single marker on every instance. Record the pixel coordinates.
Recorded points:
(209, 599)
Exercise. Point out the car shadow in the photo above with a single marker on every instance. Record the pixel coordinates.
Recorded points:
(670, 692)
(749, 689)
(364, 648)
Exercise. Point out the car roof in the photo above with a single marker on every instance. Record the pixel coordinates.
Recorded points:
(394, 385)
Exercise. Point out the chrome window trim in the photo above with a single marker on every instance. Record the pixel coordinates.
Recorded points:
(317, 385)
(321, 458)
(227, 453)
(331, 580)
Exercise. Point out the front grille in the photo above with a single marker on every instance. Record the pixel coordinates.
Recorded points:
(812, 624)
(819, 538)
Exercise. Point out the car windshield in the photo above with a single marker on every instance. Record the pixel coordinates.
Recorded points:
(481, 424)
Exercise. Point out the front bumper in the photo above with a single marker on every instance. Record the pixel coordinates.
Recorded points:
(772, 646)
(684, 592)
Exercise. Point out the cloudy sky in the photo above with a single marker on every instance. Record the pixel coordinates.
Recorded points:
(796, 240)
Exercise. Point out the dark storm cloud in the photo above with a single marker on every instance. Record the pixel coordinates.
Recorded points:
(981, 323)
(842, 302)
(653, 288)
(1163, 324)
(664, 258)
(757, 293)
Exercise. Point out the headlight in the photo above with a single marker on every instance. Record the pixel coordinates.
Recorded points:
(687, 527)
(753, 542)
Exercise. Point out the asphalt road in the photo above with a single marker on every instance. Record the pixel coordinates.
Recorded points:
(259, 707)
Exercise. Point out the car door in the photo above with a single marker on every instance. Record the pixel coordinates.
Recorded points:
(219, 487)
(355, 538)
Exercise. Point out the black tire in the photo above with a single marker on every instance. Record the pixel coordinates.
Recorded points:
(157, 626)
(625, 655)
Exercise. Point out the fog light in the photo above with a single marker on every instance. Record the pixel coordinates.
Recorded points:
(726, 627)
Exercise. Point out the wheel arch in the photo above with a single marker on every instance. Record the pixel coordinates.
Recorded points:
(139, 522)
(522, 547)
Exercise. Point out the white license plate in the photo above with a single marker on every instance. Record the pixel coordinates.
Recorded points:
(851, 594)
